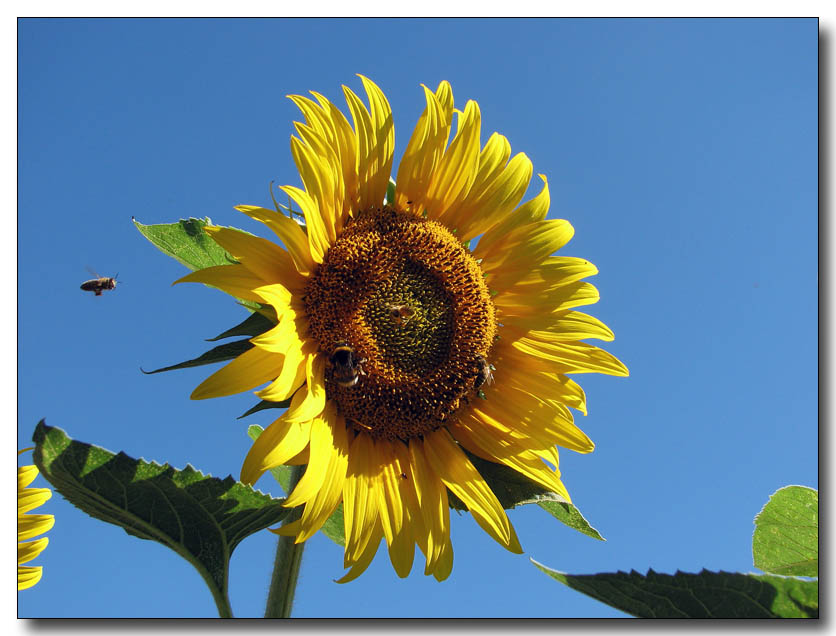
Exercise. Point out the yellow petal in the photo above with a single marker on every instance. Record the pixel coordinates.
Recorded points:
(30, 498)
(286, 335)
(27, 576)
(312, 394)
(566, 326)
(318, 240)
(422, 155)
(279, 298)
(444, 95)
(533, 210)
(315, 116)
(526, 247)
(360, 511)
(554, 271)
(375, 135)
(391, 506)
(319, 166)
(325, 499)
(457, 168)
(543, 307)
(278, 443)
(291, 529)
(326, 185)
(444, 564)
(406, 486)
(26, 475)
(301, 458)
(346, 143)
(263, 258)
(30, 549)
(492, 197)
(546, 384)
(365, 558)
(29, 526)
(383, 147)
(543, 421)
(432, 498)
(508, 450)
(288, 231)
(235, 280)
(575, 357)
(460, 476)
(250, 369)
(290, 378)
(321, 446)
(561, 326)
(280, 338)
(492, 160)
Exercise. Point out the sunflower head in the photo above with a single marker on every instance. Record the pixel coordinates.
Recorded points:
(405, 297)
(401, 345)
(29, 525)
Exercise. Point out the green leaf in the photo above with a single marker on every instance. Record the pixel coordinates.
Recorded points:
(187, 243)
(253, 325)
(514, 489)
(703, 595)
(334, 526)
(786, 539)
(571, 516)
(220, 353)
(281, 473)
(510, 487)
(265, 404)
(200, 517)
(390, 192)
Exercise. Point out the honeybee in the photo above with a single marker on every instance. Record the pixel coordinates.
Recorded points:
(401, 314)
(484, 372)
(345, 365)
(99, 284)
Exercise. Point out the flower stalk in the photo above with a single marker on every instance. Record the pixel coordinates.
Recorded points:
(287, 563)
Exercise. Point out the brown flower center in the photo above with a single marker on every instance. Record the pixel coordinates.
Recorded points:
(400, 305)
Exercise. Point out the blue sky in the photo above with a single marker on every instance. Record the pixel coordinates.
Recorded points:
(683, 152)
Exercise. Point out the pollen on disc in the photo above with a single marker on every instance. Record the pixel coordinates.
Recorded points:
(412, 303)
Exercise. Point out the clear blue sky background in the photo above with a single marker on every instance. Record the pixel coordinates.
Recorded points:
(684, 152)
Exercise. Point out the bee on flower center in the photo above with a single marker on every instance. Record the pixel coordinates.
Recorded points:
(484, 372)
(401, 314)
(346, 365)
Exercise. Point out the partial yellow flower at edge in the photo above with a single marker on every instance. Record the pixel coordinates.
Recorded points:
(29, 525)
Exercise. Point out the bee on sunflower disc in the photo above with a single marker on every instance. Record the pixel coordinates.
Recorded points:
(484, 372)
(346, 365)
(401, 314)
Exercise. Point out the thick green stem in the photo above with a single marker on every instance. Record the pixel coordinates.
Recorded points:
(221, 602)
(286, 566)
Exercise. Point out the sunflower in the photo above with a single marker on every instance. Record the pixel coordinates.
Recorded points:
(29, 526)
(399, 345)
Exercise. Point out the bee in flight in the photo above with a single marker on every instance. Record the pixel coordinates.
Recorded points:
(484, 372)
(99, 284)
(346, 365)
(401, 314)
